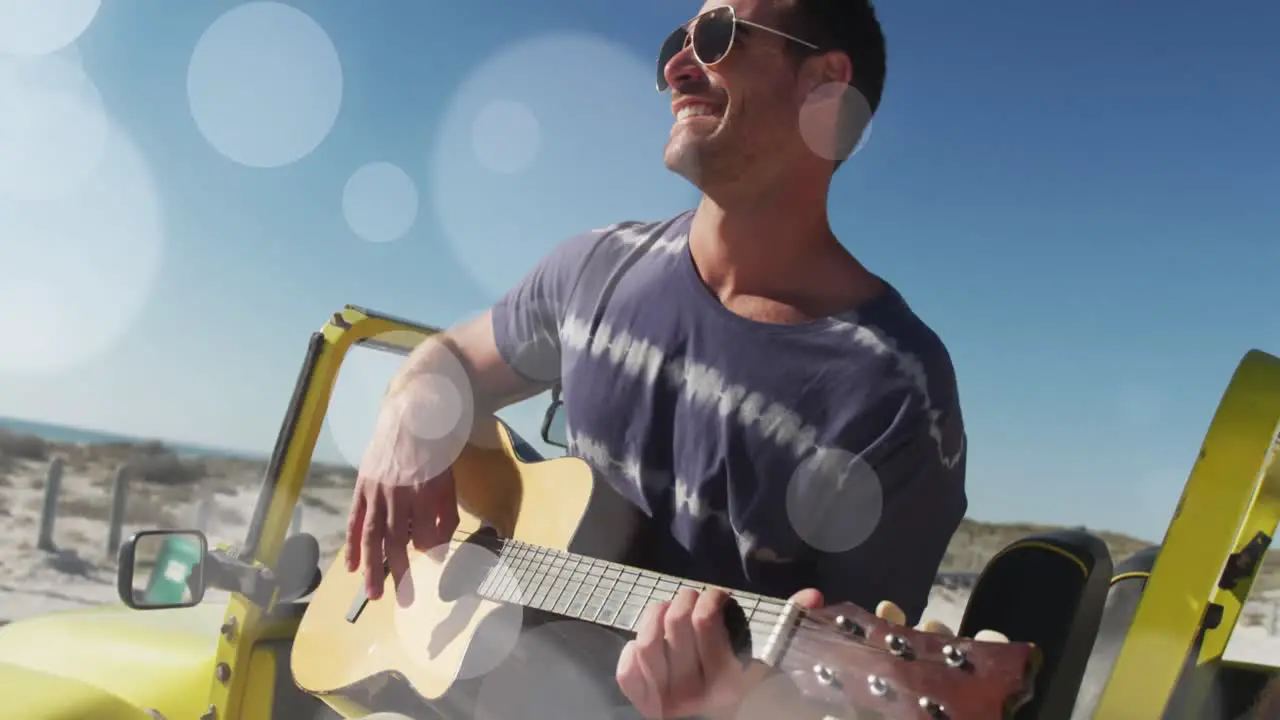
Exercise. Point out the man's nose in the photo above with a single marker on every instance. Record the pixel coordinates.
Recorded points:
(683, 69)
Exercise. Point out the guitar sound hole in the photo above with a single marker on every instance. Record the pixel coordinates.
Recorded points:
(469, 565)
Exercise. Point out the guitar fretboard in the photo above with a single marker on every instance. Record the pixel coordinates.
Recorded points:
(602, 592)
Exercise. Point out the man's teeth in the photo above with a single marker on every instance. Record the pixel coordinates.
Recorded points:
(689, 111)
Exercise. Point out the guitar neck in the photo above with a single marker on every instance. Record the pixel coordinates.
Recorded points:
(606, 593)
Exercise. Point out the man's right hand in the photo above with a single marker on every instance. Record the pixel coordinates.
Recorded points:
(400, 496)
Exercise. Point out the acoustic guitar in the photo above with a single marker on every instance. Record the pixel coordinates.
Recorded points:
(548, 535)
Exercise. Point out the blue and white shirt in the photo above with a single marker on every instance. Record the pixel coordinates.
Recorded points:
(771, 457)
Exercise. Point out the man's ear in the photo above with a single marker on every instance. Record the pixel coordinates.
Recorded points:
(830, 67)
(833, 114)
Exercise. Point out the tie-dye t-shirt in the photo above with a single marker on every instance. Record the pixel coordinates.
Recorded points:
(771, 458)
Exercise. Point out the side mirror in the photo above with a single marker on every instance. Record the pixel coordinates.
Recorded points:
(162, 569)
(554, 428)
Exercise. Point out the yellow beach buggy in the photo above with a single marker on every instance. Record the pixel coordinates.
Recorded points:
(1127, 638)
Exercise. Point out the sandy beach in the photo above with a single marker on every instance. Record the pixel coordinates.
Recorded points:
(219, 493)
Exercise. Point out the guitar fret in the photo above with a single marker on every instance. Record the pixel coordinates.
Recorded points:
(621, 594)
(513, 591)
(563, 582)
(578, 601)
(640, 603)
(600, 591)
(555, 586)
(613, 581)
(544, 572)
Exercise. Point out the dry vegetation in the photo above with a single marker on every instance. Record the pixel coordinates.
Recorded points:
(164, 487)
(977, 542)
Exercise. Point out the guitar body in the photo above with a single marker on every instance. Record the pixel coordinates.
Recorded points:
(420, 637)
(542, 540)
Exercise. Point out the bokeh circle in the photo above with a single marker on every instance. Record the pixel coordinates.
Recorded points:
(265, 84)
(380, 202)
(53, 129)
(358, 410)
(546, 139)
(40, 27)
(834, 500)
(80, 265)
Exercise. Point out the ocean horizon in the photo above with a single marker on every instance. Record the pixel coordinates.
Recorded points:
(69, 434)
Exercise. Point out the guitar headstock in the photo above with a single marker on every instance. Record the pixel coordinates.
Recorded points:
(847, 657)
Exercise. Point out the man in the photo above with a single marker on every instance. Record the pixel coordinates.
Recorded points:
(787, 422)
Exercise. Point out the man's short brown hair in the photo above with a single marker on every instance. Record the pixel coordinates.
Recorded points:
(847, 26)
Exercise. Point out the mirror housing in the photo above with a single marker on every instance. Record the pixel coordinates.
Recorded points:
(160, 569)
(554, 427)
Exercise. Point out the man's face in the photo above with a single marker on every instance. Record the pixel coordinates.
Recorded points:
(745, 107)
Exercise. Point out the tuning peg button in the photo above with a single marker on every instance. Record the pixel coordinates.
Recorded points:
(897, 645)
(847, 625)
(933, 708)
(953, 655)
(877, 686)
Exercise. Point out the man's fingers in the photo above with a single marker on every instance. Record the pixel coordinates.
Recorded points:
(684, 668)
(422, 523)
(809, 598)
(937, 627)
(396, 544)
(650, 659)
(721, 670)
(991, 636)
(891, 612)
(635, 684)
(355, 529)
(374, 536)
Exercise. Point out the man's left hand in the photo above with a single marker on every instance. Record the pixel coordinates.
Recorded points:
(681, 662)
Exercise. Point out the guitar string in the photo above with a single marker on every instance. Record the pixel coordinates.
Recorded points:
(761, 613)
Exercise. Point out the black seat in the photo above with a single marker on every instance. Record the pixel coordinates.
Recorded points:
(1049, 589)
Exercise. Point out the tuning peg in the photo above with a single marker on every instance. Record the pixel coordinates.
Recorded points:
(847, 625)
(932, 707)
(897, 644)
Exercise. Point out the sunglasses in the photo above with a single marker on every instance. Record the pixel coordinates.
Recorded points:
(712, 34)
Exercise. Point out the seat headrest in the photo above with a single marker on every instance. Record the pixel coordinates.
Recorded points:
(297, 565)
(1049, 589)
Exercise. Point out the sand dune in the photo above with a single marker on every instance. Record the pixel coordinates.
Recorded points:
(166, 491)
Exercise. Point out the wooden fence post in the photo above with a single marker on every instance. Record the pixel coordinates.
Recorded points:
(49, 513)
(204, 510)
(119, 498)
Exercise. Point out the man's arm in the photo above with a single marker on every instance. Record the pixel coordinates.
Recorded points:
(511, 352)
(494, 382)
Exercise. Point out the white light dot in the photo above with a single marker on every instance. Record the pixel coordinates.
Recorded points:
(265, 84)
(545, 140)
(80, 266)
(53, 128)
(834, 500)
(380, 202)
(39, 27)
(835, 121)
(506, 136)
(418, 613)
(358, 415)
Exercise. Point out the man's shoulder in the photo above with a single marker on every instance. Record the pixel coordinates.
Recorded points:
(898, 353)
(630, 236)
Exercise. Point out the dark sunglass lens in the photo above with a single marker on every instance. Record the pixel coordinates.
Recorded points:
(674, 43)
(712, 35)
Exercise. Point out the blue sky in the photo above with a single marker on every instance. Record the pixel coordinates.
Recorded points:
(1079, 197)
